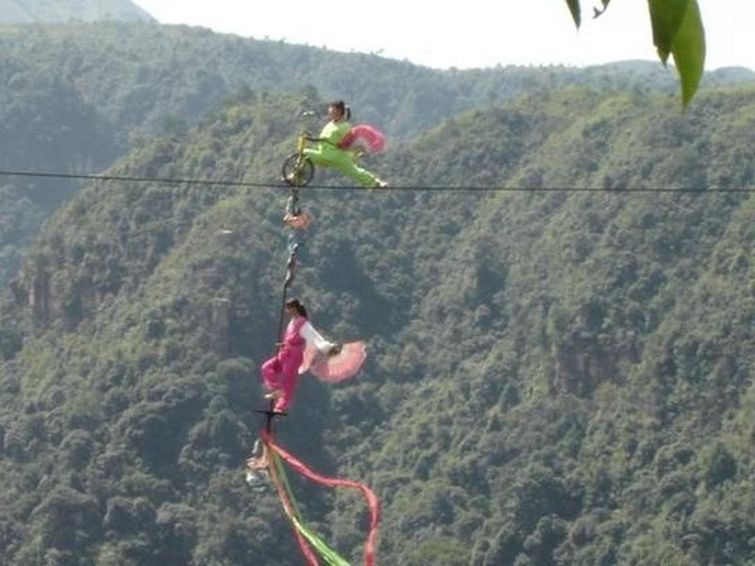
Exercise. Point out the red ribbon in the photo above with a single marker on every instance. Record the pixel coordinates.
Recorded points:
(372, 501)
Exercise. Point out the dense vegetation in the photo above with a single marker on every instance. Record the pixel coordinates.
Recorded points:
(558, 377)
(45, 125)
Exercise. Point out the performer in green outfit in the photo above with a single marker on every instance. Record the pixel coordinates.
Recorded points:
(327, 153)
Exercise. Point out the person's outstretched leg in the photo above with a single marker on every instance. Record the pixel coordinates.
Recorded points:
(270, 371)
(345, 164)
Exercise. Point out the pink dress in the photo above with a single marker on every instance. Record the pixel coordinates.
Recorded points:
(281, 372)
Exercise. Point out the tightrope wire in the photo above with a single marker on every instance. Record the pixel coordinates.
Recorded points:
(405, 188)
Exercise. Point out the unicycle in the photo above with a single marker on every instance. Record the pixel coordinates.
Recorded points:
(298, 170)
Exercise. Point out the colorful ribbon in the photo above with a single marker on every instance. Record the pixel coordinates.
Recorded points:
(305, 537)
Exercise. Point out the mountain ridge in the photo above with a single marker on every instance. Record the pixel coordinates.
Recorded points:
(47, 11)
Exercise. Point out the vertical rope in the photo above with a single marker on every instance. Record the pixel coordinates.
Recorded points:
(290, 276)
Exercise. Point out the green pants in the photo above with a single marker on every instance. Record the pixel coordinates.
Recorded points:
(343, 161)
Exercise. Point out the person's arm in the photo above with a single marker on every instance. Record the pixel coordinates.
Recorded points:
(315, 339)
(322, 137)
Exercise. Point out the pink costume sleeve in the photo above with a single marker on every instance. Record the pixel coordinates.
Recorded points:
(343, 365)
(365, 137)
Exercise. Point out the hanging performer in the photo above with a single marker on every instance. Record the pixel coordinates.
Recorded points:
(334, 148)
(304, 349)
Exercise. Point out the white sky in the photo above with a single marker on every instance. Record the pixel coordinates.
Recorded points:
(473, 33)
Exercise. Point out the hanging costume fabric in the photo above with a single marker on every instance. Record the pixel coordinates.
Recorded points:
(364, 137)
(335, 366)
(310, 543)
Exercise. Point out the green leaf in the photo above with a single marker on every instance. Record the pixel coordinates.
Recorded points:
(599, 12)
(678, 30)
(575, 12)
(666, 17)
(688, 50)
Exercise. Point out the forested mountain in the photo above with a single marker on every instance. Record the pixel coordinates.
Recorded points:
(110, 83)
(135, 75)
(48, 11)
(557, 377)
